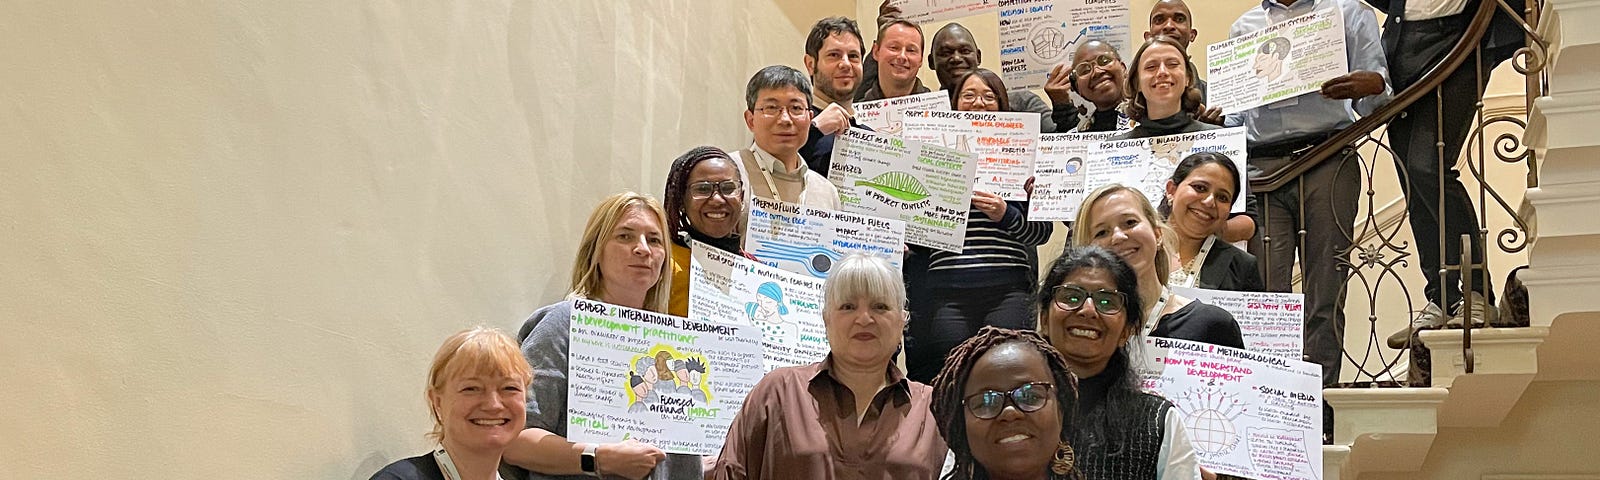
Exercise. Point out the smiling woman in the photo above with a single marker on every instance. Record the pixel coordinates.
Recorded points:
(705, 202)
(1006, 400)
(477, 389)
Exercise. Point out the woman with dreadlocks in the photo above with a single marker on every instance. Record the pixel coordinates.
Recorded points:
(1005, 403)
(704, 202)
(1090, 309)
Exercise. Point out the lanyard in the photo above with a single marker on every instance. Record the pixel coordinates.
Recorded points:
(1154, 316)
(1188, 275)
(768, 168)
(448, 467)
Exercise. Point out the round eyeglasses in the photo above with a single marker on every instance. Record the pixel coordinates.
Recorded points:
(1070, 297)
(1029, 397)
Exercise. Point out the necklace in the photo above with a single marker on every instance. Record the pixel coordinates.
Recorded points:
(1189, 274)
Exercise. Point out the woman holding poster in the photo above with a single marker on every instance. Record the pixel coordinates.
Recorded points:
(621, 261)
(1200, 194)
(990, 281)
(705, 202)
(1091, 311)
(1119, 219)
(852, 415)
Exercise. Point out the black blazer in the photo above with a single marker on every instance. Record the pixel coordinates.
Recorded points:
(1428, 41)
(1229, 268)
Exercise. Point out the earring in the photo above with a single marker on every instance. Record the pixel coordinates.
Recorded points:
(1064, 459)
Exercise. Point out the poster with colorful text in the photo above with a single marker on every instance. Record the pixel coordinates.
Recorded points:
(667, 381)
(885, 116)
(927, 186)
(1004, 142)
(1247, 414)
(809, 240)
(1037, 35)
(1059, 173)
(1272, 323)
(728, 289)
(1147, 163)
(1285, 60)
(925, 11)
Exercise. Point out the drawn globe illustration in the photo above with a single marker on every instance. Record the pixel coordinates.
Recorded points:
(1211, 432)
(1049, 42)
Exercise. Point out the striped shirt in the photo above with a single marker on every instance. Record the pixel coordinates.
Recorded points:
(994, 253)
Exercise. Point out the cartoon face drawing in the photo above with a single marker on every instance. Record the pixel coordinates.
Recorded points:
(768, 307)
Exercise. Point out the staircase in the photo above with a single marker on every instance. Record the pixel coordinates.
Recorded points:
(1512, 403)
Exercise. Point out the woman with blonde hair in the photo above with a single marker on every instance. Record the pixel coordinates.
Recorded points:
(477, 389)
(621, 261)
(1120, 219)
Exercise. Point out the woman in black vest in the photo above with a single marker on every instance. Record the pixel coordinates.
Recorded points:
(1089, 308)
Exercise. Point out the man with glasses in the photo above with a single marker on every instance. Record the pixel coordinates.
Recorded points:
(1098, 75)
(778, 113)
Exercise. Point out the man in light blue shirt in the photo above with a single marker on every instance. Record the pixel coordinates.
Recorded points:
(1323, 201)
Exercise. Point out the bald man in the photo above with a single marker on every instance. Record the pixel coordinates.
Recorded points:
(1172, 18)
(954, 52)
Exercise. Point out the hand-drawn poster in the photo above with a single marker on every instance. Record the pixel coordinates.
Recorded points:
(1248, 414)
(924, 11)
(1037, 35)
(884, 116)
(668, 381)
(927, 186)
(1004, 142)
(1272, 323)
(728, 289)
(1147, 163)
(1058, 175)
(808, 241)
(1286, 60)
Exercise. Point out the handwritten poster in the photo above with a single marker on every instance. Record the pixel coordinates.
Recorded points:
(668, 381)
(728, 289)
(1037, 35)
(1282, 61)
(924, 11)
(884, 116)
(1248, 414)
(927, 186)
(1059, 174)
(1147, 163)
(1004, 142)
(808, 241)
(1272, 323)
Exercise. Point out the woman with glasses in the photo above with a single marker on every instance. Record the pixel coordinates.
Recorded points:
(1119, 219)
(1005, 402)
(705, 203)
(990, 281)
(1090, 310)
(1098, 75)
(852, 415)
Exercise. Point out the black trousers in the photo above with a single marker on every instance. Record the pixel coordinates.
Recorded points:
(1414, 135)
(951, 315)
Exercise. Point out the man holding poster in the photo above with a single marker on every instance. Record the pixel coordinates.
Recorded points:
(1276, 134)
(833, 58)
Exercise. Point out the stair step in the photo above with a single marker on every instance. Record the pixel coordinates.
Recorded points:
(1505, 361)
(1387, 429)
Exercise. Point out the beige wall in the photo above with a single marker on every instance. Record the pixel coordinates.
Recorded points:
(235, 232)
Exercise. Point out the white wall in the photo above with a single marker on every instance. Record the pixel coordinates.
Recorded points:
(235, 232)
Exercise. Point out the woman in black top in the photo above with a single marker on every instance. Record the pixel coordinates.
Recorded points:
(1199, 195)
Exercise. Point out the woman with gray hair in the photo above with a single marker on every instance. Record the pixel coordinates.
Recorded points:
(852, 412)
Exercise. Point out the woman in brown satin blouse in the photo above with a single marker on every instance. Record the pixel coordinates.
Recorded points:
(853, 415)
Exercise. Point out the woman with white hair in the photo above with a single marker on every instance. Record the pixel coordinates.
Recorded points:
(852, 412)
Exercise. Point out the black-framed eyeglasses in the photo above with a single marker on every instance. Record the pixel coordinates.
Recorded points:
(703, 190)
(1028, 398)
(1070, 297)
(1102, 60)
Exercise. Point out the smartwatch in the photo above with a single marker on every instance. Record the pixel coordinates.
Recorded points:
(586, 461)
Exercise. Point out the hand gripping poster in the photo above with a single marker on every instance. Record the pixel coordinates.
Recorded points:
(1058, 175)
(924, 11)
(808, 241)
(1248, 414)
(1147, 163)
(1272, 323)
(927, 186)
(668, 381)
(1004, 142)
(728, 289)
(886, 116)
(1037, 35)
(1285, 60)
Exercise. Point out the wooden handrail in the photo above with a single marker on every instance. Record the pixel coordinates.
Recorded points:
(1465, 48)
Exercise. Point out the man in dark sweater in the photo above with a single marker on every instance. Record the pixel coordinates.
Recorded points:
(833, 59)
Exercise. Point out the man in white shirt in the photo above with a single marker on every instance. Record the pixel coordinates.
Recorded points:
(778, 113)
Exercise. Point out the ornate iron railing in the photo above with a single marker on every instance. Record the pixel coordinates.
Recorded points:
(1378, 252)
